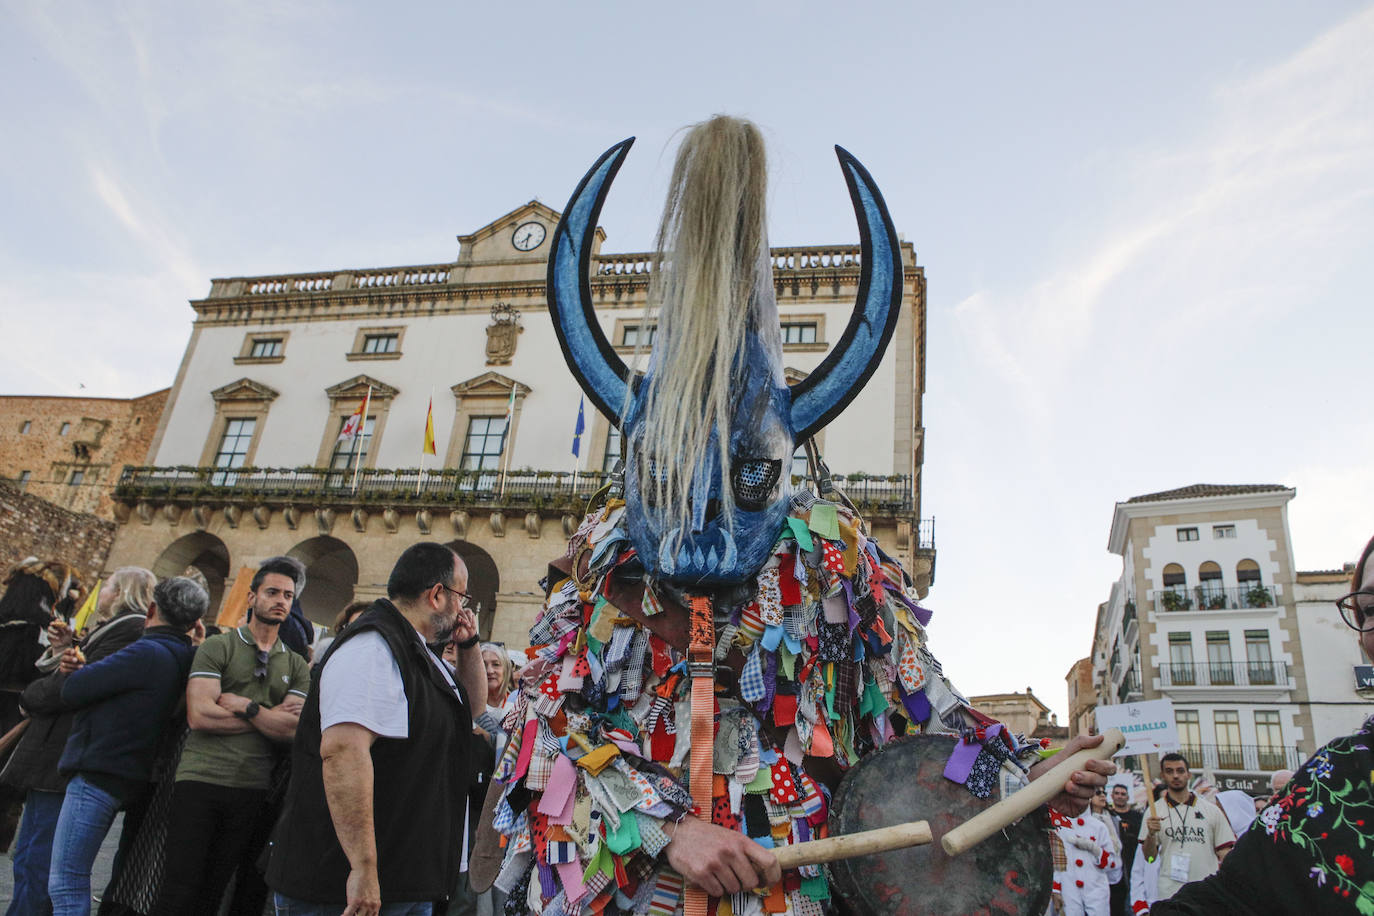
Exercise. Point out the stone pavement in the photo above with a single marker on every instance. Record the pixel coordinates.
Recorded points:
(100, 875)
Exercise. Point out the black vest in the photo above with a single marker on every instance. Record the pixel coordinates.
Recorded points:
(420, 786)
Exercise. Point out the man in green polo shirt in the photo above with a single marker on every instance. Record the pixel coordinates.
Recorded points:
(244, 695)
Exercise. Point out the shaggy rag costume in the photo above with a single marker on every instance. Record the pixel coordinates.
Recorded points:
(714, 643)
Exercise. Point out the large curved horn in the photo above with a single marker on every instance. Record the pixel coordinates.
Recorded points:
(594, 363)
(819, 398)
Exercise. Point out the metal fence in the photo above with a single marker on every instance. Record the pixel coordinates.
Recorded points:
(1260, 758)
(447, 486)
(1224, 674)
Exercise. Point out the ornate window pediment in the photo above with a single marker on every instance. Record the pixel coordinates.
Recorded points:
(245, 389)
(356, 387)
(489, 384)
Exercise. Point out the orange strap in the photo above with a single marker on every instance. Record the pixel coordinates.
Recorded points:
(701, 663)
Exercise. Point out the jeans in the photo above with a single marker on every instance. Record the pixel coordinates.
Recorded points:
(33, 852)
(213, 830)
(87, 813)
(289, 906)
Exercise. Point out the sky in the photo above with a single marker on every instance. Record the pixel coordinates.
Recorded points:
(1141, 226)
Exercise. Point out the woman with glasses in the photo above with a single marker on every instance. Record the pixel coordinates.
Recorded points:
(1309, 850)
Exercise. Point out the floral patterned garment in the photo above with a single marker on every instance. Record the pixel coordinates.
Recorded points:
(830, 652)
(1310, 851)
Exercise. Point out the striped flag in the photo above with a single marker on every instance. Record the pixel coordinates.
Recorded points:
(354, 424)
(579, 428)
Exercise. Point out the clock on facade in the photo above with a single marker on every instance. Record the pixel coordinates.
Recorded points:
(528, 236)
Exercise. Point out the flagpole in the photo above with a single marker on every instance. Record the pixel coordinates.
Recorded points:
(506, 441)
(424, 444)
(362, 430)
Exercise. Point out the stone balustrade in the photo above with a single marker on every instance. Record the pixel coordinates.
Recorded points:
(810, 258)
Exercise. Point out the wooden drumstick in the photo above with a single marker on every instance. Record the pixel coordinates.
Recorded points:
(983, 825)
(884, 839)
(966, 835)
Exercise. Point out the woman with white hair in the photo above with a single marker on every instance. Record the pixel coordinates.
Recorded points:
(120, 611)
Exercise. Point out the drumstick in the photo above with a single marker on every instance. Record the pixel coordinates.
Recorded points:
(884, 839)
(968, 834)
(1009, 810)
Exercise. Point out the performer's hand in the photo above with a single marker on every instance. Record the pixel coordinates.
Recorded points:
(364, 893)
(720, 861)
(1152, 824)
(1081, 784)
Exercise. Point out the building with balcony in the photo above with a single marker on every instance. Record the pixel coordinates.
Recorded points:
(1204, 615)
(247, 461)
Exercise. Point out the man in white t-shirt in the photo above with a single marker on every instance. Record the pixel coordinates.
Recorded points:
(383, 754)
(1191, 836)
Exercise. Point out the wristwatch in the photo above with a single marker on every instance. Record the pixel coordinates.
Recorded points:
(250, 711)
(469, 642)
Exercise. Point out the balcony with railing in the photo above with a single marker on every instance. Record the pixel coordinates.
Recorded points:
(1253, 757)
(448, 487)
(1216, 599)
(1224, 674)
(1130, 688)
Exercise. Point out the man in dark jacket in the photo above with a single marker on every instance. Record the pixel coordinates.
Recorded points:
(374, 817)
(125, 703)
(122, 607)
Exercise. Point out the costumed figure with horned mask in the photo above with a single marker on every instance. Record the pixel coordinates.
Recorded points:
(718, 647)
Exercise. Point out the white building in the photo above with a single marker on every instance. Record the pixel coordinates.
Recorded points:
(1204, 615)
(1335, 657)
(246, 462)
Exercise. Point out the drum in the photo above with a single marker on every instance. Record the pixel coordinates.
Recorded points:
(1010, 872)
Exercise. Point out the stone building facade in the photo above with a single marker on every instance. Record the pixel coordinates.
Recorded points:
(70, 451)
(1204, 615)
(31, 526)
(247, 462)
(1082, 697)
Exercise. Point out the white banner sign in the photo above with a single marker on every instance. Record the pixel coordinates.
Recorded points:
(1149, 726)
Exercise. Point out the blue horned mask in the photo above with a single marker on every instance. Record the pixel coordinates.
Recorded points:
(704, 547)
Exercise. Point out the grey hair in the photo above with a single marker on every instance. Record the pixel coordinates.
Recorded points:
(134, 587)
(711, 257)
(180, 602)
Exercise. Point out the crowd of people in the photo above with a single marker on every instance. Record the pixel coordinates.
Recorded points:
(127, 701)
(255, 778)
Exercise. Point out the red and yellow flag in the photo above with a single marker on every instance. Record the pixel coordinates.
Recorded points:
(429, 430)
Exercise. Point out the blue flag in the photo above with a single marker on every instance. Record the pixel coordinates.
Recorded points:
(579, 429)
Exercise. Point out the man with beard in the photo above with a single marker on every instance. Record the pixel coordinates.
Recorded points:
(375, 816)
(244, 695)
(1191, 838)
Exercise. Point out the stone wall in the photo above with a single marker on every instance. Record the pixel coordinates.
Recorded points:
(51, 438)
(30, 526)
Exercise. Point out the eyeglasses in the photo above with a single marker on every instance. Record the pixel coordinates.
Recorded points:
(466, 600)
(260, 669)
(1356, 609)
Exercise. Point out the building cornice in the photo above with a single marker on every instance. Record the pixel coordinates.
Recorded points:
(618, 281)
(1203, 505)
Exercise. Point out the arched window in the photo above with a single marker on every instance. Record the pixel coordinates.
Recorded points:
(1210, 592)
(1174, 595)
(1251, 586)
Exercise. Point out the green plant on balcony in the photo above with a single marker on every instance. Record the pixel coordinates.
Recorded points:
(1259, 596)
(1173, 601)
(1213, 601)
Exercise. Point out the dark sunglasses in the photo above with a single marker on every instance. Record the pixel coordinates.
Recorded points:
(260, 669)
